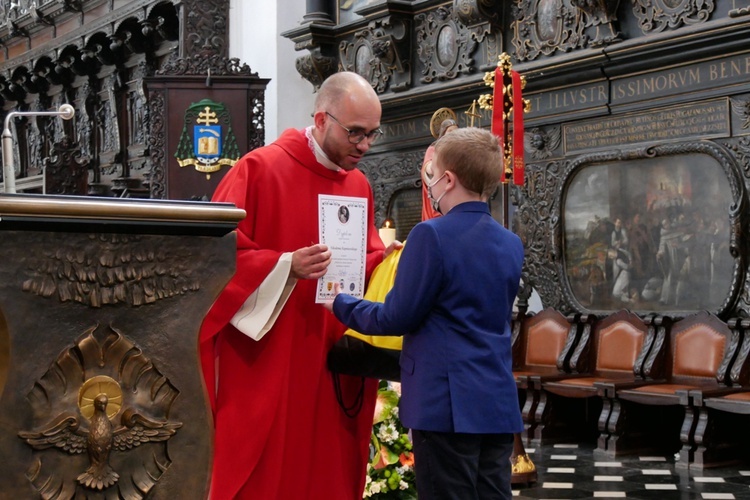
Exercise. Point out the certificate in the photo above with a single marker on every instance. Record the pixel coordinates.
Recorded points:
(343, 228)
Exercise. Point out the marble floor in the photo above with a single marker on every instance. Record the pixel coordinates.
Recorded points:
(572, 471)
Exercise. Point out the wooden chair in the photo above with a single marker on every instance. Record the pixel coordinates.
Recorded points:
(658, 415)
(542, 347)
(614, 354)
(723, 414)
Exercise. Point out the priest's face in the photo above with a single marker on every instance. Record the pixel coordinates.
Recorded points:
(349, 130)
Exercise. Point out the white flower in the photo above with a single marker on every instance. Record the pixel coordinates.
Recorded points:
(377, 486)
(402, 485)
(403, 470)
(388, 433)
(394, 411)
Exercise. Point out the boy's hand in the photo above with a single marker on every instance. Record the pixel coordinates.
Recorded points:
(336, 291)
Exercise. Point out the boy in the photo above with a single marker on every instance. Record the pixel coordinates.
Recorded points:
(452, 301)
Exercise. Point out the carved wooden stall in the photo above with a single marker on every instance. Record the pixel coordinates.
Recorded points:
(97, 55)
(101, 394)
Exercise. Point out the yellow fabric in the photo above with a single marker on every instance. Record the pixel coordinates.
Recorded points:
(380, 284)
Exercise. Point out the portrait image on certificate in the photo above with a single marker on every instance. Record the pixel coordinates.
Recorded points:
(343, 228)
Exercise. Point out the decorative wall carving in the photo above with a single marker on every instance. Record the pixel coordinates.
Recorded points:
(482, 20)
(534, 221)
(741, 108)
(256, 136)
(544, 27)
(601, 16)
(156, 144)
(476, 12)
(542, 143)
(741, 150)
(315, 67)
(381, 53)
(96, 68)
(101, 395)
(444, 46)
(199, 64)
(100, 67)
(109, 126)
(655, 16)
(66, 169)
(205, 27)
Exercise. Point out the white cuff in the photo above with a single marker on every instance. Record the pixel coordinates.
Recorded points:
(259, 312)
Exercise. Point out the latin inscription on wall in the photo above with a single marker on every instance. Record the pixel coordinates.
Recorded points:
(728, 71)
(702, 120)
(688, 83)
(569, 99)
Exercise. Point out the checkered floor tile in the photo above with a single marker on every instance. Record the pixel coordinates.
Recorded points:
(568, 471)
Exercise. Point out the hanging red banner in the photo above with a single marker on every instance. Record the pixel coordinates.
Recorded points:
(518, 109)
(498, 118)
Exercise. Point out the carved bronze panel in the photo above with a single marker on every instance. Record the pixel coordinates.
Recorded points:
(101, 396)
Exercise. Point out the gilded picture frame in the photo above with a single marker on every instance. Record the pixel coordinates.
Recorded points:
(653, 229)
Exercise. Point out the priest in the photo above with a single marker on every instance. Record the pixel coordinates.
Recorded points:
(281, 430)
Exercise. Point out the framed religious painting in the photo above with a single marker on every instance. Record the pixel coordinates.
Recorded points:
(652, 229)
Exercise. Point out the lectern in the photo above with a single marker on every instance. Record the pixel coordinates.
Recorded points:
(101, 301)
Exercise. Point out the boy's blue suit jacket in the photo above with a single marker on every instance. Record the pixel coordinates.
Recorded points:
(452, 301)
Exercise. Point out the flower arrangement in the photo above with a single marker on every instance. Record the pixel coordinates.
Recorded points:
(390, 473)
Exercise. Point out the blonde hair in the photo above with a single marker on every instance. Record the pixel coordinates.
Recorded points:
(474, 156)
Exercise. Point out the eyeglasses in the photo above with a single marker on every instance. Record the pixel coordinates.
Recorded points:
(357, 135)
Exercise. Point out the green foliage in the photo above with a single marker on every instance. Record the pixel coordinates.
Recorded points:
(390, 473)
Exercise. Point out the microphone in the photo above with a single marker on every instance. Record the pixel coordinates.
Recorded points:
(66, 112)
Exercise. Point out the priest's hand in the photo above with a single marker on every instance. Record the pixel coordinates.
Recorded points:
(395, 245)
(310, 263)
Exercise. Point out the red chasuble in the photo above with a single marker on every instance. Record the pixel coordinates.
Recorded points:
(280, 432)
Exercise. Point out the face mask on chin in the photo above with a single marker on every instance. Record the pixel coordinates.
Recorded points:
(435, 203)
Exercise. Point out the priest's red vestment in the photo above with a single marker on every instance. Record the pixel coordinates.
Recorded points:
(280, 432)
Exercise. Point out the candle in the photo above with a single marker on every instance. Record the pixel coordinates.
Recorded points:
(387, 233)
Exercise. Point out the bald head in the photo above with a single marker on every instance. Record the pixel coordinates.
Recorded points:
(346, 106)
(346, 85)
